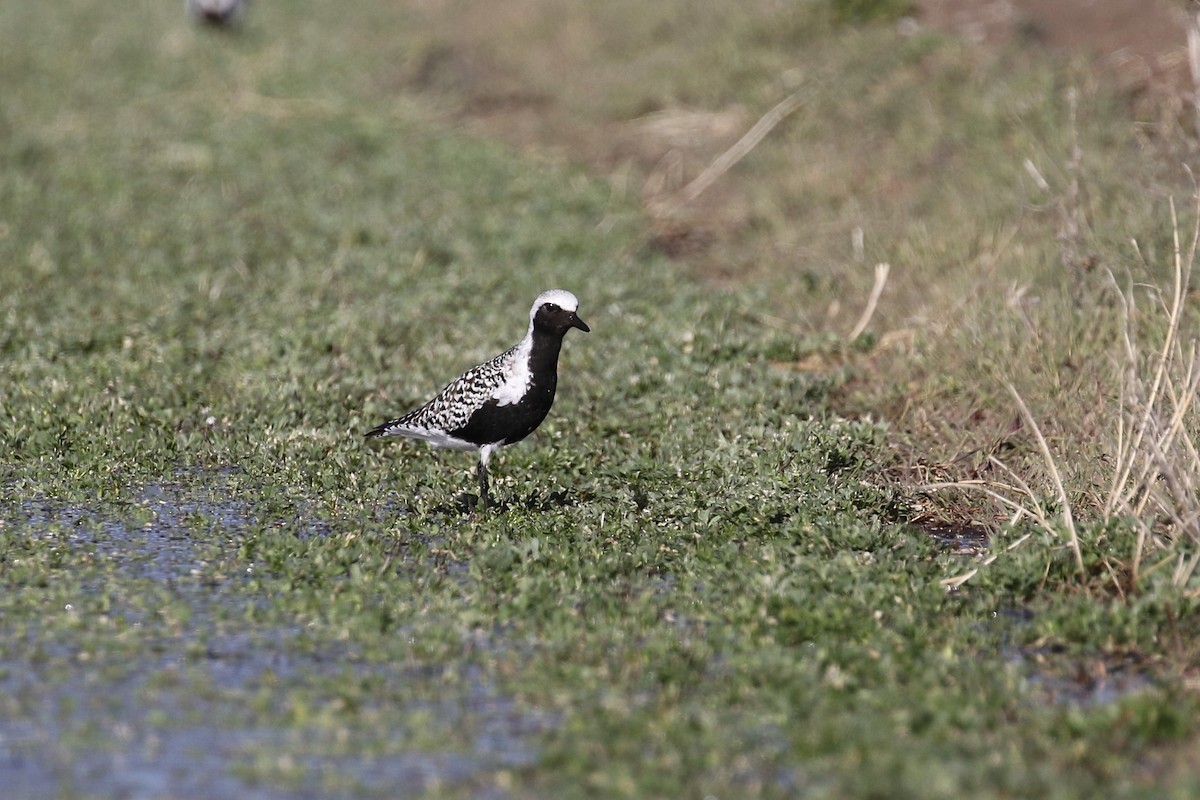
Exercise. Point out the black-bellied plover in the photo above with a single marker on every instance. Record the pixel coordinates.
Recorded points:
(503, 400)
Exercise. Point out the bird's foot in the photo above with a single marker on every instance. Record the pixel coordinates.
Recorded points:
(471, 503)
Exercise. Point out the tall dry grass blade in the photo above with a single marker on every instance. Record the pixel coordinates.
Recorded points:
(1185, 568)
(1181, 404)
(1176, 488)
(1162, 386)
(1193, 46)
(1143, 536)
(1175, 312)
(1071, 208)
(1048, 457)
(1192, 387)
(733, 155)
(1125, 453)
(1038, 513)
(1020, 512)
(1126, 488)
(881, 276)
(1034, 173)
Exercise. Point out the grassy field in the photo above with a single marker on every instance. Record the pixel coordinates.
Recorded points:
(223, 257)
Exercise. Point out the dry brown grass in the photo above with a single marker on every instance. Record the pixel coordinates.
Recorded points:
(1153, 427)
(1156, 466)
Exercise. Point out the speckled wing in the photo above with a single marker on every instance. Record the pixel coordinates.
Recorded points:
(452, 408)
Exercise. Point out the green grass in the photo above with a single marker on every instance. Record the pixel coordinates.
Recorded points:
(222, 258)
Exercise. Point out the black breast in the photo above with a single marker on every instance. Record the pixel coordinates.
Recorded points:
(493, 423)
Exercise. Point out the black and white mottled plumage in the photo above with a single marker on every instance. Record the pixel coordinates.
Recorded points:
(503, 400)
(215, 12)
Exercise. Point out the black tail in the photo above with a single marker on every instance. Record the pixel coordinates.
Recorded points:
(379, 430)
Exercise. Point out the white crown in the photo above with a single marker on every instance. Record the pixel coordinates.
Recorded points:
(560, 297)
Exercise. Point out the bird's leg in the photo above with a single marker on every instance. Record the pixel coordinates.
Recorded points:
(481, 470)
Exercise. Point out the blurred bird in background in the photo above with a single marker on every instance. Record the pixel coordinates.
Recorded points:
(219, 13)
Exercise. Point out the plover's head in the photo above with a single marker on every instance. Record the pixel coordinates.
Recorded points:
(555, 311)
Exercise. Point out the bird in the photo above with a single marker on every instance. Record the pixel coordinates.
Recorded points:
(502, 400)
(215, 12)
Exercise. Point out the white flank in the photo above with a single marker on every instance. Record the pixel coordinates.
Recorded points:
(485, 453)
(517, 383)
(436, 438)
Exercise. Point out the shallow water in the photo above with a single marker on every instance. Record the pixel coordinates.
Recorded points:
(961, 539)
(175, 721)
(1055, 678)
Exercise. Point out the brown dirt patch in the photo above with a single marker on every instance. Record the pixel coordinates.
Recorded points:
(1141, 45)
(1139, 42)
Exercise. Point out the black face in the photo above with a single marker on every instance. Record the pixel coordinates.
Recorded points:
(550, 317)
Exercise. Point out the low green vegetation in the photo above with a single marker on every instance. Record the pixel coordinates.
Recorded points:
(223, 257)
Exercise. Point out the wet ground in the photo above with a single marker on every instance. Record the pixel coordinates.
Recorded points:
(181, 713)
(176, 717)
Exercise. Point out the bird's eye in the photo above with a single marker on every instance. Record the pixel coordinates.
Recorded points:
(553, 307)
